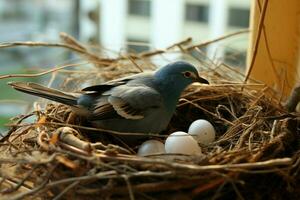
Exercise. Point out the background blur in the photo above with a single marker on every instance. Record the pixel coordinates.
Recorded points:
(118, 25)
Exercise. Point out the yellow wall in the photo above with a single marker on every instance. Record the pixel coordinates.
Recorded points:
(282, 26)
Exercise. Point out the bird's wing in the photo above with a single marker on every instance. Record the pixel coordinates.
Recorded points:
(45, 92)
(116, 82)
(127, 101)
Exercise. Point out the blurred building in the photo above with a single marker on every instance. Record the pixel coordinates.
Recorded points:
(119, 24)
(35, 20)
(160, 23)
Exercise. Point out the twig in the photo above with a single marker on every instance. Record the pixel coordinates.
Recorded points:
(183, 42)
(238, 193)
(293, 99)
(74, 149)
(28, 161)
(208, 186)
(129, 186)
(100, 175)
(213, 114)
(36, 189)
(65, 190)
(218, 191)
(190, 48)
(268, 48)
(20, 184)
(149, 54)
(190, 168)
(41, 44)
(257, 40)
(69, 136)
(41, 73)
(148, 187)
(89, 128)
(71, 41)
(99, 145)
(246, 133)
(217, 39)
(135, 64)
(76, 48)
(13, 129)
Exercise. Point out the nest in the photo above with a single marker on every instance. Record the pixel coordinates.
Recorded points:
(255, 155)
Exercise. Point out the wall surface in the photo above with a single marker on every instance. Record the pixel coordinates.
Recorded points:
(277, 59)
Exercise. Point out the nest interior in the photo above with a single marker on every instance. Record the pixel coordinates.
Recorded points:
(57, 155)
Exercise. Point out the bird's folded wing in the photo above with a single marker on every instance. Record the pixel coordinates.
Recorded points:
(45, 92)
(116, 82)
(129, 102)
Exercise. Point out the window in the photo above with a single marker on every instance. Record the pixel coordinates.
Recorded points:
(137, 46)
(239, 17)
(139, 7)
(197, 13)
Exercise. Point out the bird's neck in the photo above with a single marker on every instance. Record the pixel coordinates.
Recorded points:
(171, 90)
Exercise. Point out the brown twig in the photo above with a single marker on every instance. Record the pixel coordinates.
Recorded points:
(216, 40)
(41, 73)
(71, 41)
(20, 184)
(293, 100)
(88, 128)
(183, 42)
(147, 187)
(257, 40)
(213, 114)
(36, 189)
(268, 48)
(41, 44)
(66, 189)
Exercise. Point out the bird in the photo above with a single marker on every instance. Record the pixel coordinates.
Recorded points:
(140, 103)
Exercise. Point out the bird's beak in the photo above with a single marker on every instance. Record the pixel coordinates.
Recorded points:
(201, 80)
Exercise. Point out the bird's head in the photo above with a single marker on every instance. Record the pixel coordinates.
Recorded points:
(180, 73)
(173, 78)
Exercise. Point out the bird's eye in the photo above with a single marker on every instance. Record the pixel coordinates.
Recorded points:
(187, 74)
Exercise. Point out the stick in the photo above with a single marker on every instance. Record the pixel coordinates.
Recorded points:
(41, 73)
(217, 39)
(257, 40)
(293, 99)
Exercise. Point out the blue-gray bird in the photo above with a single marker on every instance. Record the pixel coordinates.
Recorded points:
(142, 103)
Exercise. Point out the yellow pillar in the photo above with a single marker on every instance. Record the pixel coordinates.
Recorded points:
(278, 68)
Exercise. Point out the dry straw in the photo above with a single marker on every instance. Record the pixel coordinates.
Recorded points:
(59, 157)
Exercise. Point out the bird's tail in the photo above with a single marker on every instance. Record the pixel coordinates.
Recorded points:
(45, 92)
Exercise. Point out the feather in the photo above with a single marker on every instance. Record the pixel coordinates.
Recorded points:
(48, 93)
(124, 109)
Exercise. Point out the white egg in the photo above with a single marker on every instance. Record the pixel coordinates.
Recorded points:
(182, 143)
(151, 147)
(203, 131)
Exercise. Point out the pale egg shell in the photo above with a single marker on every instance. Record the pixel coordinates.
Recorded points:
(203, 131)
(182, 143)
(151, 147)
